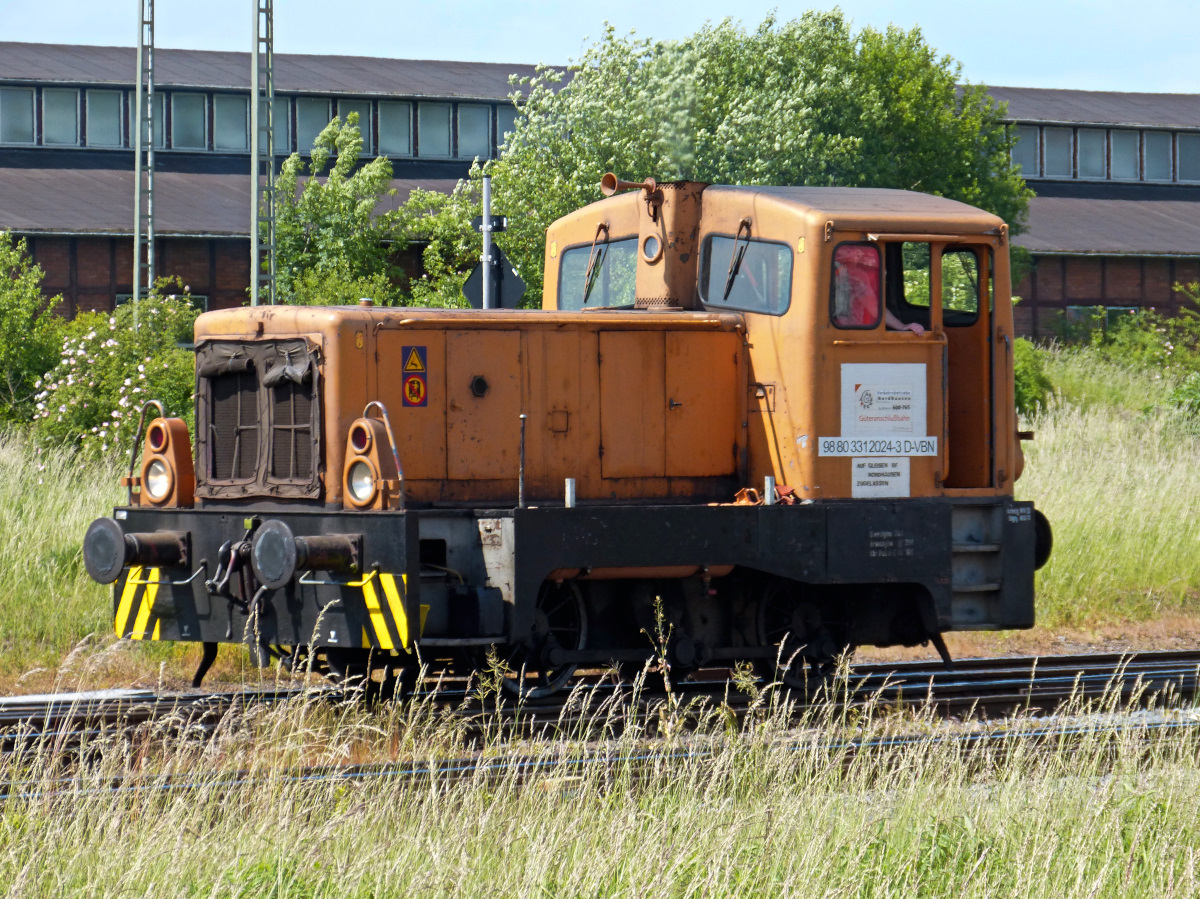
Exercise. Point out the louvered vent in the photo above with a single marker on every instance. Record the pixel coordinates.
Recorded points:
(233, 443)
(291, 430)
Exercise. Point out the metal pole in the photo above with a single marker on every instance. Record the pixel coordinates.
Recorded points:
(255, 265)
(489, 301)
(262, 159)
(143, 143)
(521, 471)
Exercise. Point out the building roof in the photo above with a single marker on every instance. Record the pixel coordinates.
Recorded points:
(100, 202)
(1113, 220)
(1065, 219)
(1033, 104)
(299, 73)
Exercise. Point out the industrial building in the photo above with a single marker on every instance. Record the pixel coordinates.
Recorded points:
(1115, 223)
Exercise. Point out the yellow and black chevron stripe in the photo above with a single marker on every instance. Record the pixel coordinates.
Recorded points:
(135, 609)
(388, 622)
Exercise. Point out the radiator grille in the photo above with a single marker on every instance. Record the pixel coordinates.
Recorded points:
(291, 431)
(233, 428)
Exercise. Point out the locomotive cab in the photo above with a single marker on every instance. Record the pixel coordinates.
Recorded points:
(775, 421)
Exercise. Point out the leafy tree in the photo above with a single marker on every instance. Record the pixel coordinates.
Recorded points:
(29, 330)
(803, 102)
(452, 247)
(332, 243)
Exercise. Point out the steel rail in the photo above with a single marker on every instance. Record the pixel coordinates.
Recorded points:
(980, 686)
(521, 770)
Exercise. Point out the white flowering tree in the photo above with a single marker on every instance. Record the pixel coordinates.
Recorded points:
(29, 331)
(806, 102)
(107, 370)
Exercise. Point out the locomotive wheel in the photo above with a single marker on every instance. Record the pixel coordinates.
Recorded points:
(785, 620)
(559, 621)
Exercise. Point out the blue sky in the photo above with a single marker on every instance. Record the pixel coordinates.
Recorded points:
(1097, 45)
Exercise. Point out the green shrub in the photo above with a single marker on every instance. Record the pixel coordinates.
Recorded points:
(108, 368)
(1185, 398)
(30, 332)
(1032, 388)
(1143, 339)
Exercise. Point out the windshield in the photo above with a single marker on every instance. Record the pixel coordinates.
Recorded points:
(609, 282)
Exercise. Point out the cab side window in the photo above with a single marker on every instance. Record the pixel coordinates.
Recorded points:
(908, 277)
(960, 288)
(855, 299)
(908, 290)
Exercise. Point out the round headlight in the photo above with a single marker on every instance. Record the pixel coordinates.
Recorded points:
(158, 480)
(361, 481)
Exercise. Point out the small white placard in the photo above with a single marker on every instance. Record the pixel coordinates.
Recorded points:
(883, 398)
(876, 476)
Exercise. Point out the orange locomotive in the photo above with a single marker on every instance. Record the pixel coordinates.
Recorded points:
(780, 417)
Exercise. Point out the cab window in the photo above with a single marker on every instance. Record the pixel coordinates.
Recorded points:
(855, 295)
(908, 278)
(960, 288)
(746, 274)
(599, 276)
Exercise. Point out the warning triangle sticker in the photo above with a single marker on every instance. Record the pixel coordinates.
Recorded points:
(414, 362)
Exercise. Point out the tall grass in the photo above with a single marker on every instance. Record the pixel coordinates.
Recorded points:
(1085, 377)
(757, 810)
(1118, 475)
(48, 497)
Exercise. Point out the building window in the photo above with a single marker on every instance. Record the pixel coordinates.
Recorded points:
(1157, 158)
(104, 126)
(1057, 152)
(1025, 151)
(1092, 161)
(433, 129)
(312, 115)
(60, 117)
(16, 115)
(189, 122)
(1124, 165)
(1188, 147)
(395, 128)
(231, 128)
(474, 131)
(363, 108)
(506, 123)
(283, 125)
(160, 117)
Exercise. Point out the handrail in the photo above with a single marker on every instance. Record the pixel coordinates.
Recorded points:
(137, 440)
(307, 580)
(387, 423)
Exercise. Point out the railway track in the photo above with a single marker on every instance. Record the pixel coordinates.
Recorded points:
(979, 687)
(67, 720)
(565, 773)
(59, 724)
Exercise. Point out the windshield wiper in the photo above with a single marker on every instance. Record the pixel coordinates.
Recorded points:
(735, 258)
(595, 260)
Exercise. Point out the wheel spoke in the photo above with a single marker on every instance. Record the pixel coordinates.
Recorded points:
(562, 602)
